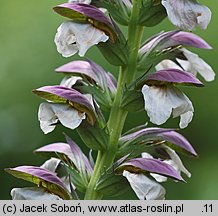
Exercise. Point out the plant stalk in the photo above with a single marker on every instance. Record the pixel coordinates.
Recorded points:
(118, 115)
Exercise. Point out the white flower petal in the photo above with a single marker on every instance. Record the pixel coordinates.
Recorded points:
(186, 66)
(70, 81)
(49, 114)
(185, 111)
(185, 119)
(144, 187)
(184, 106)
(87, 36)
(80, 1)
(47, 127)
(198, 65)
(193, 64)
(68, 116)
(159, 178)
(65, 40)
(176, 161)
(162, 101)
(32, 193)
(51, 164)
(186, 14)
(166, 64)
(47, 118)
(204, 18)
(146, 155)
(72, 37)
(103, 10)
(155, 104)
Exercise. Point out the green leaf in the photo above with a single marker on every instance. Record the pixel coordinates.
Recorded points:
(77, 179)
(94, 137)
(132, 101)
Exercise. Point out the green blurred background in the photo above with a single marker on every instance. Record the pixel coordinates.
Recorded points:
(28, 58)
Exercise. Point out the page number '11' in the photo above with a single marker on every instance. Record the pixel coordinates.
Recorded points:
(208, 208)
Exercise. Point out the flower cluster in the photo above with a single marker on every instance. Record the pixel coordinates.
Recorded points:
(150, 80)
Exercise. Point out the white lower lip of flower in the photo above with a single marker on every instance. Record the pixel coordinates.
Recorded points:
(174, 161)
(80, 1)
(185, 119)
(52, 113)
(186, 14)
(46, 118)
(51, 164)
(166, 64)
(162, 101)
(144, 187)
(196, 64)
(69, 82)
(74, 37)
(147, 155)
(177, 163)
(32, 193)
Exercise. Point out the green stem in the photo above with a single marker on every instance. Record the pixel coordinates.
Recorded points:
(118, 115)
(116, 120)
(135, 34)
(91, 194)
(105, 159)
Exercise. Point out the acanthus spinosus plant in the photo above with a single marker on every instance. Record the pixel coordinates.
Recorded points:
(150, 76)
